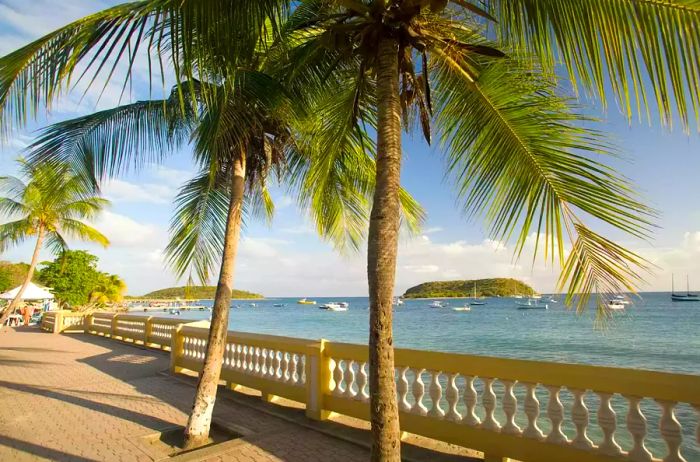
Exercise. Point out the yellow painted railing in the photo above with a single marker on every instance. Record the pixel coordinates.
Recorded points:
(63, 321)
(526, 410)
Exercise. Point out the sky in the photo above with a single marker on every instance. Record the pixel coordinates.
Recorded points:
(286, 258)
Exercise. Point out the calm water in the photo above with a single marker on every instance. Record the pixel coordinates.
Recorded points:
(653, 333)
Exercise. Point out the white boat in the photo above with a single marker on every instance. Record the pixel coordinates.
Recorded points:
(462, 308)
(436, 304)
(279, 305)
(532, 304)
(252, 305)
(615, 305)
(174, 311)
(476, 301)
(397, 301)
(622, 299)
(333, 307)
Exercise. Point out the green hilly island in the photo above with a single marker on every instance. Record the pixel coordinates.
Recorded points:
(196, 292)
(484, 288)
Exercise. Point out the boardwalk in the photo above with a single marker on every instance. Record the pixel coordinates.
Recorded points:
(86, 398)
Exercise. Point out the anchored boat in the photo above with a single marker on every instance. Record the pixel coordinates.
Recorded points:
(304, 301)
(687, 297)
(334, 306)
(532, 304)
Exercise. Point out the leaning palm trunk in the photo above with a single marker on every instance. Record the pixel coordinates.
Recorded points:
(381, 258)
(197, 430)
(32, 266)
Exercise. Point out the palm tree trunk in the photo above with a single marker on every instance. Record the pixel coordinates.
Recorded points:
(197, 430)
(30, 273)
(381, 258)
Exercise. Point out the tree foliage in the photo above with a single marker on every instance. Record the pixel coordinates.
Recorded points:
(75, 279)
(12, 275)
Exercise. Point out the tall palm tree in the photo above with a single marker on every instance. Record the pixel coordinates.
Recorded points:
(49, 207)
(513, 143)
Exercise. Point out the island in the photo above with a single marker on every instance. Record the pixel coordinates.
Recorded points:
(195, 293)
(503, 287)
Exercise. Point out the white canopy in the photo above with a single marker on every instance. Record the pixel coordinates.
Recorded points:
(32, 292)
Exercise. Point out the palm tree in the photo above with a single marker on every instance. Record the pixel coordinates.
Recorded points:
(515, 146)
(237, 144)
(110, 289)
(50, 207)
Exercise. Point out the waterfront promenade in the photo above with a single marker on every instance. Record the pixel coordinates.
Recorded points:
(86, 398)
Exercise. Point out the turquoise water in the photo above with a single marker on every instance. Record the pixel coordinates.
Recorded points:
(653, 333)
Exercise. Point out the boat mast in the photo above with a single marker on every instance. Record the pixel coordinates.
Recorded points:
(673, 290)
(687, 284)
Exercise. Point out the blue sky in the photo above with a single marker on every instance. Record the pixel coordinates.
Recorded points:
(288, 259)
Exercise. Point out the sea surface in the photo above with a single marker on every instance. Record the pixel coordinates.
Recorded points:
(653, 333)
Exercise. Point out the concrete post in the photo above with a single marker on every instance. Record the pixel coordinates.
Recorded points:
(177, 342)
(317, 380)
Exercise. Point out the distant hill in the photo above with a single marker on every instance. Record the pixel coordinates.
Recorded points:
(465, 288)
(196, 292)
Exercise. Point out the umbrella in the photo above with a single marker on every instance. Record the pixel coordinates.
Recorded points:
(32, 292)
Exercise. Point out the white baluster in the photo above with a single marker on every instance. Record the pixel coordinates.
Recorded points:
(671, 431)
(489, 400)
(250, 367)
(300, 371)
(607, 422)
(338, 375)
(435, 391)
(470, 399)
(362, 381)
(402, 390)
(284, 375)
(532, 411)
(418, 393)
(293, 358)
(239, 357)
(555, 412)
(277, 366)
(637, 426)
(349, 379)
(452, 395)
(510, 407)
(580, 418)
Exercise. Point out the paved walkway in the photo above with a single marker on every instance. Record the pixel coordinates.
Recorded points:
(86, 398)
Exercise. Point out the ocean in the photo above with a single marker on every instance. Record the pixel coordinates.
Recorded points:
(653, 333)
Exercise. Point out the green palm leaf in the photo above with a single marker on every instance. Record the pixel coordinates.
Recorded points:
(645, 50)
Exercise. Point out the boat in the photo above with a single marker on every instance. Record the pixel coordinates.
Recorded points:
(174, 311)
(615, 305)
(517, 296)
(279, 305)
(305, 301)
(397, 301)
(622, 299)
(333, 307)
(532, 304)
(344, 304)
(436, 304)
(252, 305)
(462, 308)
(686, 297)
(476, 301)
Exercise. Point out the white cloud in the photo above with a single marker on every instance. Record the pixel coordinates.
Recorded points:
(124, 191)
(422, 268)
(432, 230)
(123, 231)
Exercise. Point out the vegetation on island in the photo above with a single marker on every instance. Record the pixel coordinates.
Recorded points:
(481, 77)
(494, 287)
(196, 293)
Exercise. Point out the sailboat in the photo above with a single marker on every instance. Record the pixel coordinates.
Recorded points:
(475, 301)
(687, 297)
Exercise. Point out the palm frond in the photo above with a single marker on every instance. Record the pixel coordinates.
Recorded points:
(181, 34)
(15, 232)
(113, 141)
(645, 50)
(79, 230)
(522, 157)
(198, 226)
